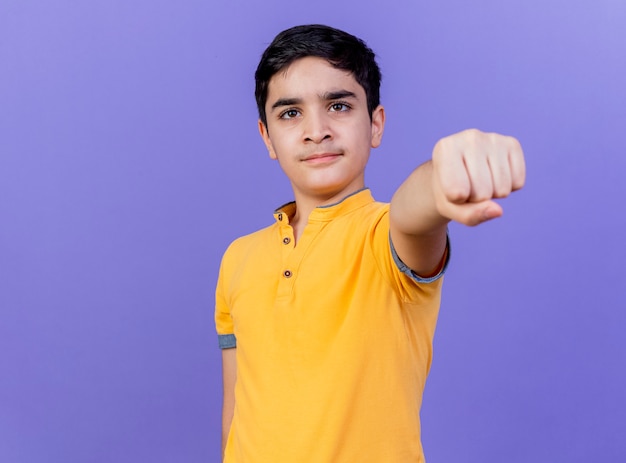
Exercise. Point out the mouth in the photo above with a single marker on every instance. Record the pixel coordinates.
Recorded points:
(321, 158)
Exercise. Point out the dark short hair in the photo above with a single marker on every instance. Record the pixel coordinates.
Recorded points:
(342, 50)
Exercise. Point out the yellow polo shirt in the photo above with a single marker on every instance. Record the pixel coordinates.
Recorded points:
(333, 337)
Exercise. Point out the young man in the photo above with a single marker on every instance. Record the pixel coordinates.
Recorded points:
(326, 317)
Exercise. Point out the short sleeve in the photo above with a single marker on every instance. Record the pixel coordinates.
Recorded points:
(410, 287)
(223, 319)
(407, 271)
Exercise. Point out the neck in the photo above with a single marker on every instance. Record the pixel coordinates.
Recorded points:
(300, 218)
(305, 205)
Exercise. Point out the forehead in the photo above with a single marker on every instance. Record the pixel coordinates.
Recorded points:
(311, 76)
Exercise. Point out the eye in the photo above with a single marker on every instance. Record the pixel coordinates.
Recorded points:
(289, 114)
(339, 107)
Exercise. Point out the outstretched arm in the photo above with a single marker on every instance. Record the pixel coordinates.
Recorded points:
(467, 171)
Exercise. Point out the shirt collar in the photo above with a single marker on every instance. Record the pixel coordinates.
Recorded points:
(348, 204)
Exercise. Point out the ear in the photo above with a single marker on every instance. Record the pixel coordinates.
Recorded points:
(265, 135)
(378, 126)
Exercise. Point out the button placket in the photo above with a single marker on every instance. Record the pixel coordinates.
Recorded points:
(289, 256)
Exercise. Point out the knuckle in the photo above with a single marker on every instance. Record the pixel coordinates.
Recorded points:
(518, 184)
(502, 192)
(494, 138)
(514, 143)
(456, 194)
(482, 193)
(441, 149)
(472, 137)
(481, 196)
(513, 147)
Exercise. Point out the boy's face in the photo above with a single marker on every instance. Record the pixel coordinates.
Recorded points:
(319, 129)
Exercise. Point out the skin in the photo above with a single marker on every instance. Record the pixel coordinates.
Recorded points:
(229, 377)
(320, 132)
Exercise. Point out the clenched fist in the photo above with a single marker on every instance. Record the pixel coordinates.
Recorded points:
(470, 169)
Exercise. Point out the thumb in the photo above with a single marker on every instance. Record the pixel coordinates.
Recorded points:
(473, 214)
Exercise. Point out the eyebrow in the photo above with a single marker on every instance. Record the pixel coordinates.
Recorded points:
(339, 95)
(328, 96)
(286, 102)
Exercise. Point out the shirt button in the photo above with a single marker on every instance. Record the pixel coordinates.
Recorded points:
(286, 240)
(287, 273)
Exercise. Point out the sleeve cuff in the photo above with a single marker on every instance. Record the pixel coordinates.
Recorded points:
(227, 341)
(414, 276)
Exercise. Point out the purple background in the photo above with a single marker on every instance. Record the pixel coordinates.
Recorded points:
(129, 159)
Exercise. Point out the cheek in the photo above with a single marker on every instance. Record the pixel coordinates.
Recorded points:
(287, 142)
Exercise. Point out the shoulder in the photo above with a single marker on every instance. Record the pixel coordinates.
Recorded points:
(251, 240)
(244, 247)
(367, 214)
(371, 218)
(377, 211)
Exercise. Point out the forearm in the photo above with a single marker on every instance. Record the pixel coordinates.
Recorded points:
(418, 230)
(229, 374)
(227, 419)
(413, 210)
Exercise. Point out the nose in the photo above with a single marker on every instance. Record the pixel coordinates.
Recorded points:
(317, 128)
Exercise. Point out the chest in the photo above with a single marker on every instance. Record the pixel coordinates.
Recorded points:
(321, 290)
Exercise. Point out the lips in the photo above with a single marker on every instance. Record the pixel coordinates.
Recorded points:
(320, 158)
